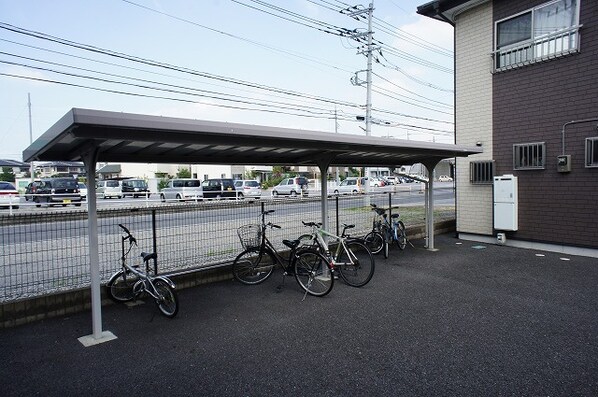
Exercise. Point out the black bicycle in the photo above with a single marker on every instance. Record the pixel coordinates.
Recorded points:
(256, 263)
(129, 283)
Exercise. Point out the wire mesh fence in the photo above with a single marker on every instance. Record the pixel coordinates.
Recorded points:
(44, 253)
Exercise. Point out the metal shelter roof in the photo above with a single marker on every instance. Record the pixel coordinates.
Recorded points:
(92, 136)
(123, 137)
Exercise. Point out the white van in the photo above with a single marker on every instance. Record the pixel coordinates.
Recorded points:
(109, 188)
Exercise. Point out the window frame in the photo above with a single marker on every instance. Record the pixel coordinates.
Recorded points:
(591, 158)
(533, 164)
(528, 48)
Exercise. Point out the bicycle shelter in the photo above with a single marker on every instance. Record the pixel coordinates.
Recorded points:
(95, 136)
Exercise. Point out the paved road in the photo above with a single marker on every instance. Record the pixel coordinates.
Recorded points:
(411, 191)
(468, 320)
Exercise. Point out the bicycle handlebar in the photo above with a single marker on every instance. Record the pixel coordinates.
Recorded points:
(124, 228)
(273, 225)
(379, 211)
(129, 237)
(268, 212)
(312, 224)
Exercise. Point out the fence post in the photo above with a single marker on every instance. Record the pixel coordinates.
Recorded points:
(390, 205)
(337, 216)
(155, 241)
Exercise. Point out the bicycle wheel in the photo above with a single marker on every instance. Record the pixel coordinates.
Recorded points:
(387, 234)
(374, 241)
(253, 266)
(313, 273)
(168, 303)
(401, 235)
(356, 264)
(120, 286)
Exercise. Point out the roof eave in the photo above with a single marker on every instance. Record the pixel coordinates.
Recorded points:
(447, 10)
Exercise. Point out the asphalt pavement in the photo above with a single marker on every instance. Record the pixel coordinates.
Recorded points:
(468, 320)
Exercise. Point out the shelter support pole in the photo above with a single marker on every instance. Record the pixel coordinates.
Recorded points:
(97, 336)
(430, 206)
(323, 165)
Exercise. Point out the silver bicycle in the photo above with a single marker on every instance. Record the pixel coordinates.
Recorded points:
(129, 283)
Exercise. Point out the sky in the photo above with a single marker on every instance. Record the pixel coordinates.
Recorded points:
(266, 62)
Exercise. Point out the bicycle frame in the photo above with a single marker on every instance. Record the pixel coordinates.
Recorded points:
(319, 234)
(266, 244)
(144, 278)
(382, 219)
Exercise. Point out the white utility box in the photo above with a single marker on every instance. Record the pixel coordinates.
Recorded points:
(505, 203)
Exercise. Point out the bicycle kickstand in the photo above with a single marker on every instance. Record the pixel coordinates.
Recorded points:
(281, 285)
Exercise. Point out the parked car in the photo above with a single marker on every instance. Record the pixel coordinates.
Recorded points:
(31, 190)
(377, 182)
(218, 188)
(109, 188)
(392, 180)
(351, 185)
(248, 189)
(61, 191)
(445, 178)
(135, 188)
(82, 190)
(182, 189)
(9, 195)
(291, 186)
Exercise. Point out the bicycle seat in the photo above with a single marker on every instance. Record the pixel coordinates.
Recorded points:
(147, 256)
(394, 216)
(380, 211)
(292, 244)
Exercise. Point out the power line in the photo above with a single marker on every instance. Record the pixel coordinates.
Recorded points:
(253, 42)
(413, 93)
(293, 111)
(169, 66)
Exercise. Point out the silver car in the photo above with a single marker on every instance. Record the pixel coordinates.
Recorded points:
(182, 189)
(296, 186)
(248, 189)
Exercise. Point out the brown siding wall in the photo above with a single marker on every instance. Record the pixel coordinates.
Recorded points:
(531, 104)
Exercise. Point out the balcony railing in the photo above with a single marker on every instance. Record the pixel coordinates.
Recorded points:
(555, 45)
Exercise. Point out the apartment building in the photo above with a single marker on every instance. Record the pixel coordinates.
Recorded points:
(526, 91)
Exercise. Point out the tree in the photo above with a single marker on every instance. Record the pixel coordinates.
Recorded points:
(183, 173)
(7, 174)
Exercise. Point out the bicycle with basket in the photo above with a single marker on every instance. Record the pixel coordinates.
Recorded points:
(255, 264)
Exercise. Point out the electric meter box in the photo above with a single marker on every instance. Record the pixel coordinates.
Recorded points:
(505, 203)
(563, 163)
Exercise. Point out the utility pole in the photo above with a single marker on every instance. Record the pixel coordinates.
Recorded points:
(31, 169)
(336, 132)
(368, 103)
(358, 13)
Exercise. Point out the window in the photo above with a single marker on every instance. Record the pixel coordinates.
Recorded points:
(529, 156)
(547, 31)
(591, 152)
(481, 172)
